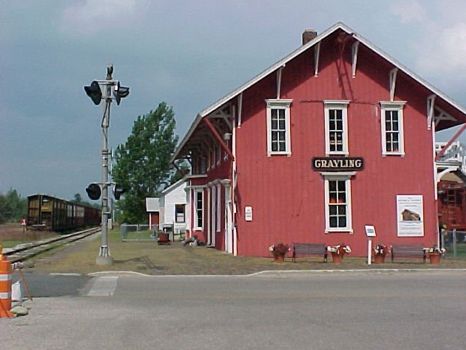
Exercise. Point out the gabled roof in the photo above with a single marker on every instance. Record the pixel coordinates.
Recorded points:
(338, 26)
(173, 186)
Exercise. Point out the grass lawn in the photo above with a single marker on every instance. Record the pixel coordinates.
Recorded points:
(149, 258)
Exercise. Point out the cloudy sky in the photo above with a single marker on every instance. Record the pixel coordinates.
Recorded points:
(187, 53)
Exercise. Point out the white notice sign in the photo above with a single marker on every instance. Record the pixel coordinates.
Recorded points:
(410, 215)
(248, 213)
(370, 231)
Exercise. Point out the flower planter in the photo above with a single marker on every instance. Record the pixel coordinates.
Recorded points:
(379, 259)
(336, 258)
(434, 258)
(164, 238)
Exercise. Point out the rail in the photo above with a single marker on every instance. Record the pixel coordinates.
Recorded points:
(25, 251)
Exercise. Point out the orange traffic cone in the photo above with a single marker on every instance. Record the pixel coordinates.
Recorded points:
(5, 288)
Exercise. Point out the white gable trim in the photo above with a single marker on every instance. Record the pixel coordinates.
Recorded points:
(297, 52)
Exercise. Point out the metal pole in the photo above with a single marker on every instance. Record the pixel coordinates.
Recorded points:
(369, 251)
(104, 257)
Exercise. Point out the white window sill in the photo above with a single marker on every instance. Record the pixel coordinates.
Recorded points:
(339, 230)
(396, 154)
(337, 153)
(286, 154)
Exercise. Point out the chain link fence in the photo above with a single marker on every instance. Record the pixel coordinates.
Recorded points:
(138, 232)
(455, 243)
(142, 232)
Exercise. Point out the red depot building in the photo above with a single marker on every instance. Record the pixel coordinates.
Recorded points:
(335, 136)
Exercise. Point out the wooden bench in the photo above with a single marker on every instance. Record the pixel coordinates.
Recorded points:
(408, 251)
(308, 249)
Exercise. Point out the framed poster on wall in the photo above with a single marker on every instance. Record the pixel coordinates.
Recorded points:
(410, 215)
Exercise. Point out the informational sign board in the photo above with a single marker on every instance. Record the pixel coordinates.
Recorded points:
(370, 231)
(410, 215)
(337, 163)
(248, 213)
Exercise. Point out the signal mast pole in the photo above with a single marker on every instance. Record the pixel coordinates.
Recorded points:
(106, 90)
(104, 257)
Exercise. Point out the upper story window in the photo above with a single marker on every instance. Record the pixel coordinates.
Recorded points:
(278, 127)
(336, 127)
(392, 128)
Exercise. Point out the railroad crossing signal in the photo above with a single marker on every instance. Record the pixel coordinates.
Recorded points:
(120, 92)
(94, 92)
(93, 191)
(118, 191)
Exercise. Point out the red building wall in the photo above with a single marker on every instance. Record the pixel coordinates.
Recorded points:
(287, 195)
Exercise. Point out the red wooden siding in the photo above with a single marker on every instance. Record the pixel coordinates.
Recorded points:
(287, 196)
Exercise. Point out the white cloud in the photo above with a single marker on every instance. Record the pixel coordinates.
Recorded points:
(444, 50)
(408, 11)
(91, 16)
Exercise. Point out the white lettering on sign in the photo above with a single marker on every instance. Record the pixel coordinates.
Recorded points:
(333, 163)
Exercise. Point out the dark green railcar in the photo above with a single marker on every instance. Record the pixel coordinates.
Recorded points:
(54, 214)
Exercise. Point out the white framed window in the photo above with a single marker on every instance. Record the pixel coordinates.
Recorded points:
(179, 213)
(199, 209)
(219, 206)
(278, 127)
(338, 203)
(213, 209)
(392, 128)
(336, 126)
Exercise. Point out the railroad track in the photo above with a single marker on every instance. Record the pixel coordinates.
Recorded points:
(26, 251)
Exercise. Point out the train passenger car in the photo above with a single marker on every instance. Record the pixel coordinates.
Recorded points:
(55, 214)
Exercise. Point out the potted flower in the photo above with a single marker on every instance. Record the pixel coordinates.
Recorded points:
(338, 251)
(434, 253)
(279, 251)
(380, 251)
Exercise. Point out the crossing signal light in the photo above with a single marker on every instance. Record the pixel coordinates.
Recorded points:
(120, 92)
(118, 191)
(93, 191)
(94, 92)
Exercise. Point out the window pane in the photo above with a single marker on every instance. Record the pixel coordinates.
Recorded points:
(281, 124)
(341, 209)
(333, 222)
(342, 221)
(341, 185)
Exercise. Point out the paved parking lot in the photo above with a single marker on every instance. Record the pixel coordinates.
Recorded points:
(293, 310)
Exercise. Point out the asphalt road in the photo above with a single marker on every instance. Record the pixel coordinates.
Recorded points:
(319, 310)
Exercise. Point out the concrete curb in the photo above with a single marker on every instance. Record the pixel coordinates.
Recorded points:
(274, 272)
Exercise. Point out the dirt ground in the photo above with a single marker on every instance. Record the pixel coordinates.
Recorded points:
(14, 233)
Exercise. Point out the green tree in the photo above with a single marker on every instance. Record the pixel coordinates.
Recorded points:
(12, 206)
(77, 198)
(142, 164)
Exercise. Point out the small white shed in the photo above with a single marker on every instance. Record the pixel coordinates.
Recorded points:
(171, 207)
